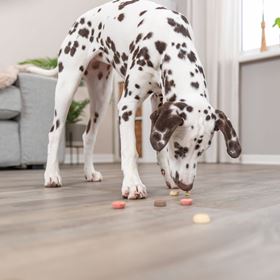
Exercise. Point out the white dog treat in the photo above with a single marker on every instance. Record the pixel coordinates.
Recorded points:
(201, 218)
(174, 193)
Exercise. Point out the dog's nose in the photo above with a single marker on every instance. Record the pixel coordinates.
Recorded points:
(180, 184)
(185, 187)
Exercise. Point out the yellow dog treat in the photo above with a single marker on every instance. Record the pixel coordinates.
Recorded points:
(201, 218)
(174, 193)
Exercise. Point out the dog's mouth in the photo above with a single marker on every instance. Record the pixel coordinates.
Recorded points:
(181, 185)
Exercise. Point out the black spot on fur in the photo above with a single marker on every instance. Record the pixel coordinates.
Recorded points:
(84, 32)
(126, 3)
(88, 126)
(60, 67)
(126, 115)
(148, 36)
(96, 116)
(160, 46)
(179, 28)
(52, 129)
(123, 70)
(121, 17)
(201, 70)
(195, 85)
(189, 109)
(192, 57)
(142, 13)
(166, 58)
(141, 22)
(182, 54)
(180, 151)
(124, 57)
(138, 38)
(184, 19)
(81, 68)
(57, 124)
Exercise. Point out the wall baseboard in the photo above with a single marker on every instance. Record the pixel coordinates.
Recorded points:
(97, 158)
(260, 159)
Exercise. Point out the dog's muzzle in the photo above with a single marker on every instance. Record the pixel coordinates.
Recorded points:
(184, 187)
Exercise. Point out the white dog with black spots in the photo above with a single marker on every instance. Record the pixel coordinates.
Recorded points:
(152, 49)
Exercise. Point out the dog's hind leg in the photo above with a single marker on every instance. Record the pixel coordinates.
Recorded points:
(68, 80)
(99, 80)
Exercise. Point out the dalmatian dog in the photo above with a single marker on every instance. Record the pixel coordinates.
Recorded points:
(152, 49)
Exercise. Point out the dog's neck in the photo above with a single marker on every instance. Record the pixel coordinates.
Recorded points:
(182, 75)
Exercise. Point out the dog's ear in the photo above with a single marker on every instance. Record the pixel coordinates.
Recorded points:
(224, 125)
(164, 122)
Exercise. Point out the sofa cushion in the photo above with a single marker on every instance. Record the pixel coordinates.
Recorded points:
(9, 143)
(10, 103)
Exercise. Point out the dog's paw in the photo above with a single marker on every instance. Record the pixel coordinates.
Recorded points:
(93, 176)
(134, 191)
(53, 180)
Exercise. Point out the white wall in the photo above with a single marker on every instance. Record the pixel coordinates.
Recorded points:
(36, 28)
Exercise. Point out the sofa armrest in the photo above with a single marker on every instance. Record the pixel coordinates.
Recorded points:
(37, 95)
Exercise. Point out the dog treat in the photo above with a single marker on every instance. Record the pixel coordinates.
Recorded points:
(201, 218)
(174, 193)
(186, 201)
(118, 204)
(187, 194)
(160, 203)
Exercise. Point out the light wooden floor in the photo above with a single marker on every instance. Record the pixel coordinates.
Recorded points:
(72, 232)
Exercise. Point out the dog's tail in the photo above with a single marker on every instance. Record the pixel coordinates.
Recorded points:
(37, 70)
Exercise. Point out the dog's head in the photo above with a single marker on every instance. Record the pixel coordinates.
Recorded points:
(188, 131)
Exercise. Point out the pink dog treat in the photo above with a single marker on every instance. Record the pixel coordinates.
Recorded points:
(186, 201)
(118, 204)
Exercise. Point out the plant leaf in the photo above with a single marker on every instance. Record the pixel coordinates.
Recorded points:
(46, 63)
(277, 22)
(76, 110)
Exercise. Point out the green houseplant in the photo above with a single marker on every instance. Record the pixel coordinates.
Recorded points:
(277, 22)
(74, 130)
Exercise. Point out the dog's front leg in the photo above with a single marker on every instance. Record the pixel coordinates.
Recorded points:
(132, 187)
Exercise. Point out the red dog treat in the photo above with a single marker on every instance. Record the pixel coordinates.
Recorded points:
(118, 204)
(186, 201)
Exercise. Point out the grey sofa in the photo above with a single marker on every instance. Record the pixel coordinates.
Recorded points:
(26, 112)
